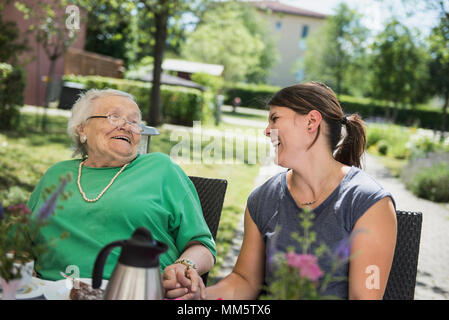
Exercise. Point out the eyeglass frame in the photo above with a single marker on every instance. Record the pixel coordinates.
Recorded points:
(132, 125)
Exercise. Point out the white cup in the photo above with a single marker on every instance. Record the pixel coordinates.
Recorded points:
(26, 271)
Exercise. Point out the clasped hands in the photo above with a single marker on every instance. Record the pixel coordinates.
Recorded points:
(180, 282)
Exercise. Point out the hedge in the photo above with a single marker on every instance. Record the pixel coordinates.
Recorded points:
(251, 95)
(180, 105)
(12, 85)
(422, 118)
(256, 96)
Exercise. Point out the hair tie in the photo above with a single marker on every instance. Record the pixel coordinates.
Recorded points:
(344, 120)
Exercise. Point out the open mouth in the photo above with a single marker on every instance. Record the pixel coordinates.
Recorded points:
(125, 138)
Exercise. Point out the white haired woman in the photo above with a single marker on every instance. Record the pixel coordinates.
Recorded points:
(117, 190)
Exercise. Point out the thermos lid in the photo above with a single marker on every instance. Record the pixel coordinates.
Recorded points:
(142, 251)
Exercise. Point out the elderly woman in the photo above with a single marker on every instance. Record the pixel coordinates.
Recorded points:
(305, 126)
(116, 190)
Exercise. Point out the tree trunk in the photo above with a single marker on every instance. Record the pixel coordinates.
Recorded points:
(155, 112)
(387, 111)
(395, 112)
(443, 119)
(47, 93)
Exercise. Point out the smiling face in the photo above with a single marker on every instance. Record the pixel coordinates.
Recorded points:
(290, 135)
(109, 145)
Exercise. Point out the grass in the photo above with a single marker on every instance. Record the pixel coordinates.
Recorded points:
(26, 153)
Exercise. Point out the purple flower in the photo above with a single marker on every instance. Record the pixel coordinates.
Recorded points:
(2, 212)
(307, 265)
(343, 250)
(49, 206)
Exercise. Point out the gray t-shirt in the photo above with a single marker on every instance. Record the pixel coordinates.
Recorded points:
(271, 205)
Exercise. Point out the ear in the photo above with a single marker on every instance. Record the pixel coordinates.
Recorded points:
(80, 129)
(314, 119)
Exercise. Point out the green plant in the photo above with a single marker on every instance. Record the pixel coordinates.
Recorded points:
(296, 275)
(180, 105)
(12, 84)
(431, 182)
(382, 147)
(19, 231)
(374, 135)
(251, 95)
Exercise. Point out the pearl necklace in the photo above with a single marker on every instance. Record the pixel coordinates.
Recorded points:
(104, 190)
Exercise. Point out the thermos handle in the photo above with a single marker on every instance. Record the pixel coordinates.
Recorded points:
(97, 274)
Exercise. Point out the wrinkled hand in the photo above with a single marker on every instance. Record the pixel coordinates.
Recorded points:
(179, 282)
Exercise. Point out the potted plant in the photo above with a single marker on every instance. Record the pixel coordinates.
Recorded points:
(18, 232)
(297, 275)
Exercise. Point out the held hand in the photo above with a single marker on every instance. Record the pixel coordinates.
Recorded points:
(197, 289)
(173, 288)
(180, 282)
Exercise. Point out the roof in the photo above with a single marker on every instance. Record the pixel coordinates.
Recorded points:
(171, 80)
(276, 6)
(192, 67)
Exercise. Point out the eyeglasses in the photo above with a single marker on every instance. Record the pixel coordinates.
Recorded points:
(120, 122)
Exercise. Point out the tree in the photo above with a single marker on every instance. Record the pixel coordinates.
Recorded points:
(335, 53)
(164, 13)
(110, 30)
(439, 65)
(148, 27)
(55, 31)
(10, 42)
(231, 34)
(398, 67)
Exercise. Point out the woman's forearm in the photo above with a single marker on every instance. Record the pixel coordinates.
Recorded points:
(232, 287)
(200, 255)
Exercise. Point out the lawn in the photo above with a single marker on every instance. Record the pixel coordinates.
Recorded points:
(26, 154)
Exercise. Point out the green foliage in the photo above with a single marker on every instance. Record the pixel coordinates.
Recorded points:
(398, 66)
(382, 146)
(19, 231)
(389, 140)
(429, 182)
(251, 95)
(232, 35)
(423, 118)
(110, 30)
(439, 64)
(335, 54)
(213, 83)
(179, 105)
(290, 281)
(12, 84)
(10, 45)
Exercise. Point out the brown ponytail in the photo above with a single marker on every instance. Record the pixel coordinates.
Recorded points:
(309, 96)
(351, 149)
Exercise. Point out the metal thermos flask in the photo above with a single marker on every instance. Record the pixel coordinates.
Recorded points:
(136, 275)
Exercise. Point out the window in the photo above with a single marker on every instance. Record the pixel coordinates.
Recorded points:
(305, 31)
(299, 75)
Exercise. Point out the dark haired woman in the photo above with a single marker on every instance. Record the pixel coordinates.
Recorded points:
(305, 126)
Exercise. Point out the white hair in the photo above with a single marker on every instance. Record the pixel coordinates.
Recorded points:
(82, 109)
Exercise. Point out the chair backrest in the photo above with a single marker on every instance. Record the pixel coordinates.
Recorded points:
(402, 279)
(211, 193)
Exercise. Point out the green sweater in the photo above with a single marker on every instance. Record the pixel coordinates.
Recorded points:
(152, 192)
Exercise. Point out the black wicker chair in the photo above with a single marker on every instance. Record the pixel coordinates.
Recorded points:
(211, 193)
(402, 279)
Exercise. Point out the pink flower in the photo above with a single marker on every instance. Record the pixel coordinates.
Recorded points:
(307, 264)
(20, 208)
